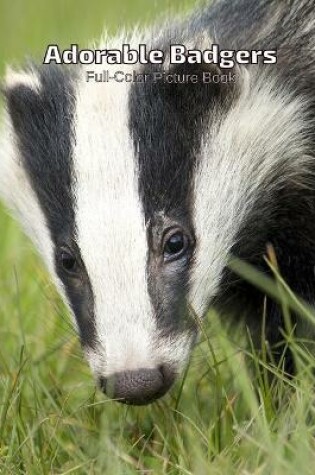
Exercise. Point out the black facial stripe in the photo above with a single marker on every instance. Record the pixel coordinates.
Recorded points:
(168, 283)
(43, 122)
(167, 122)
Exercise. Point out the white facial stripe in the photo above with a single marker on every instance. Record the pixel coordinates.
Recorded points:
(112, 234)
(111, 228)
(262, 132)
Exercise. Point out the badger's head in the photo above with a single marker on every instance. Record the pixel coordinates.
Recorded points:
(101, 176)
(123, 188)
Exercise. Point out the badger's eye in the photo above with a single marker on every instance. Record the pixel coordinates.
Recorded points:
(175, 246)
(68, 262)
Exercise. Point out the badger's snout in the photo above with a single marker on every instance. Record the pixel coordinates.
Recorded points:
(138, 387)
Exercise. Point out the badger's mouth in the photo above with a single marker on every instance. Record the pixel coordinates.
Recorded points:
(139, 387)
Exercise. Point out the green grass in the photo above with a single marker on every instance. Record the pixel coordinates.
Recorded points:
(227, 418)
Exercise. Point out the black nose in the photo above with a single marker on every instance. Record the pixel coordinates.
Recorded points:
(138, 387)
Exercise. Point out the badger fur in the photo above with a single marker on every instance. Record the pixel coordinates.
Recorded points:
(136, 194)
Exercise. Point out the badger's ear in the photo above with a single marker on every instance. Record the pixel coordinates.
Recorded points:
(21, 92)
(27, 78)
(20, 89)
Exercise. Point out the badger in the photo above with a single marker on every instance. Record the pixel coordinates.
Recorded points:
(137, 193)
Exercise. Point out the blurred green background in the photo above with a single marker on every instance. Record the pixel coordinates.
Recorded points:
(27, 26)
